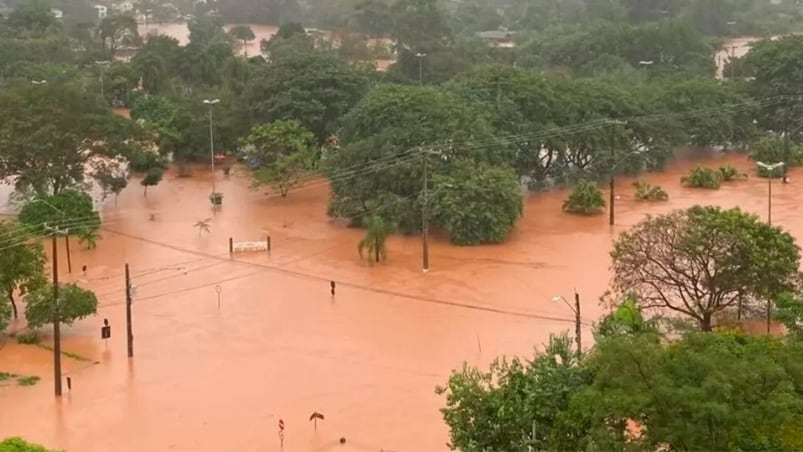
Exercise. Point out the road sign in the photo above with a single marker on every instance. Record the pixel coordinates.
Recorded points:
(281, 425)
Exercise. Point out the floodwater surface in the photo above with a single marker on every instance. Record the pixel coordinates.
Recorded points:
(279, 346)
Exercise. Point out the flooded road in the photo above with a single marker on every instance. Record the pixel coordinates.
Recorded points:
(281, 347)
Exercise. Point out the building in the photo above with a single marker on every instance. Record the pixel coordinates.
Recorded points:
(499, 38)
(103, 12)
(123, 7)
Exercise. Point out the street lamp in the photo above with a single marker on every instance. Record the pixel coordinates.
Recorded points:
(577, 319)
(420, 57)
(646, 62)
(210, 103)
(39, 82)
(770, 168)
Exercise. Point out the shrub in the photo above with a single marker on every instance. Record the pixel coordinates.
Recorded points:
(20, 445)
(701, 177)
(729, 173)
(649, 192)
(586, 199)
(30, 337)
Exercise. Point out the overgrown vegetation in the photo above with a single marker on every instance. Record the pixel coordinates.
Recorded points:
(585, 199)
(701, 177)
(649, 192)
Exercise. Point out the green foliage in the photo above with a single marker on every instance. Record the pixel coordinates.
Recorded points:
(16, 444)
(266, 143)
(27, 381)
(30, 337)
(374, 242)
(89, 238)
(730, 173)
(704, 260)
(314, 88)
(242, 33)
(648, 192)
(772, 148)
(477, 204)
(286, 172)
(523, 396)
(152, 177)
(74, 304)
(70, 211)
(154, 109)
(203, 226)
(701, 177)
(585, 199)
(21, 268)
(399, 124)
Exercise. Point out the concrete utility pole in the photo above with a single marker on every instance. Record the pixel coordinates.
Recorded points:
(770, 169)
(128, 321)
(425, 218)
(611, 182)
(578, 322)
(54, 234)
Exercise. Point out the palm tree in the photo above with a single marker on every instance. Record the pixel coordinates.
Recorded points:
(203, 226)
(376, 234)
(89, 237)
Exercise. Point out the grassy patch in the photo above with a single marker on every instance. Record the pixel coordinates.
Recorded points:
(28, 381)
(6, 376)
(29, 337)
(72, 355)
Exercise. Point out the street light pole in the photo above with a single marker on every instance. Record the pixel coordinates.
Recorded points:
(103, 65)
(425, 217)
(420, 67)
(210, 103)
(577, 318)
(770, 168)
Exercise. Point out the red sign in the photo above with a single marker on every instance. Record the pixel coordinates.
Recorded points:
(281, 425)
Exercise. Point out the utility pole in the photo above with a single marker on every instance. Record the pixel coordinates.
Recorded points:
(611, 183)
(420, 57)
(577, 324)
(425, 216)
(56, 314)
(129, 326)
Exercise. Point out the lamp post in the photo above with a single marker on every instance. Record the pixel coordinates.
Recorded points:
(577, 318)
(770, 168)
(211, 103)
(420, 57)
(39, 82)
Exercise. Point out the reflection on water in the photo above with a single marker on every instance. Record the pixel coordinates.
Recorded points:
(281, 347)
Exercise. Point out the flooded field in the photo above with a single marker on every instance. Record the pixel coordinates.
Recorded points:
(280, 346)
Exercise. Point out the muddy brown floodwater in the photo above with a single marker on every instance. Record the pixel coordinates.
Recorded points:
(280, 346)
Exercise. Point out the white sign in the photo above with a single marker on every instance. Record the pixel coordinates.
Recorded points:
(250, 246)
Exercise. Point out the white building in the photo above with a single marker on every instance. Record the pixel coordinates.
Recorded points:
(103, 12)
(124, 6)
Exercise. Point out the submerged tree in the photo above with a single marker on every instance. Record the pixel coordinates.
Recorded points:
(373, 246)
(75, 303)
(21, 268)
(703, 260)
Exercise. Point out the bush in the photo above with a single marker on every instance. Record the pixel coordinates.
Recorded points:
(20, 445)
(729, 173)
(477, 204)
(701, 177)
(649, 192)
(586, 199)
(772, 148)
(30, 337)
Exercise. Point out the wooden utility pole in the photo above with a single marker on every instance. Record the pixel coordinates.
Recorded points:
(56, 316)
(578, 324)
(129, 326)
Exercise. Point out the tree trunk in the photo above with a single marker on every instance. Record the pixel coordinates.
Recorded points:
(705, 322)
(69, 258)
(13, 303)
(376, 252)
(146, 191)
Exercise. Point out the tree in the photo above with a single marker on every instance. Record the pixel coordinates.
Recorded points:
(152, 177)
(33, 17)
(312, 87)
(286, 172)
(376, 233)
(70, 211)
(703, 260)
(772, 148)
(387, 136)
(22, 265)
(47, 134)
(89, 238)
(244, 34)
(477, 204)
(648, 192)
(585, 199)
(74, 304)
(203, 226)
(266, 143)
(20, 445)
(111, 174)
(716, 391)
(118, 30)
(517, 404)
(372, 17)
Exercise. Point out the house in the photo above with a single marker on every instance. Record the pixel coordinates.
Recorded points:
(499, 38)
(123, 7)
(103, 12)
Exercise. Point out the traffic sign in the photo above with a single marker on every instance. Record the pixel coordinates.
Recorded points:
(281, 425)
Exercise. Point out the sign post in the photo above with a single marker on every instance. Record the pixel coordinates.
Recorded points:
(281, 434)
(106, 332)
